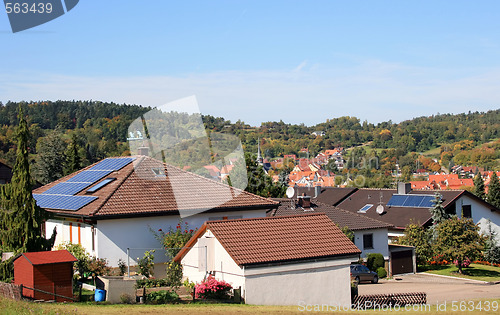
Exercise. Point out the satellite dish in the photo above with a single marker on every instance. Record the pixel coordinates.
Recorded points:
(290, 192)
(380, 209)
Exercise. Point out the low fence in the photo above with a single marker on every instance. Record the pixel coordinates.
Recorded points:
(10, 291)
(385, 300)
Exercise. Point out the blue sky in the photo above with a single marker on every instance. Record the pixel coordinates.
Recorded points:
(296, 61)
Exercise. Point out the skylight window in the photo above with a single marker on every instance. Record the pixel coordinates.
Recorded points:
(365, 208)
(158, 171)
(95, 188)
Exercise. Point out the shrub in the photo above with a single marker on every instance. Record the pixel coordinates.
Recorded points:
(212, 288)
(7, 270)
(122, 266)
(146, 263)
(375, 261)
(98, 266)
(381, 272)
(77, 250)
(151, 283)
(127, 298)
(465, 263)
(174, 273)
(162, 297)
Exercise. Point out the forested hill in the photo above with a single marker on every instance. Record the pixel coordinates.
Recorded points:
(100, 129)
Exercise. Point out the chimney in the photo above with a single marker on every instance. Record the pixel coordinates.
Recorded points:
(304, 201)
(404, 188)
(143, 151)
(317, 191)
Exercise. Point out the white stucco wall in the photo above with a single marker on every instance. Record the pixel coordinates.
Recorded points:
(222, 264)
(380, 242)
(70, 231)
(480, 214)
(114, 236)
(324, 282)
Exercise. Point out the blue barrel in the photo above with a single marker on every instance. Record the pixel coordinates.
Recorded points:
(100, 295)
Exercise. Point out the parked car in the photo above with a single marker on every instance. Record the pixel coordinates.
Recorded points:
(362, 273)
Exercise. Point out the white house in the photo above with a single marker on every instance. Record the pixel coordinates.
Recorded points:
(370, 235)
(115, 206)
(288, 260)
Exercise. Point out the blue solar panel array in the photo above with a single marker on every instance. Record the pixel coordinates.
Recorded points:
(66, 188)
(61, 196)
(62, 202)
(112, 164)
(411, 201)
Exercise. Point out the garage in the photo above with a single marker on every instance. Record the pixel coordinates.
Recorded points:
(402, 259)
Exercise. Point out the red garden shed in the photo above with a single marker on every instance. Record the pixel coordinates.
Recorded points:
(49, 271)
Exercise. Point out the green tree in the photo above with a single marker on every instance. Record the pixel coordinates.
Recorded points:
(494, 191)
(259, 182)
(458, 239)
(21, 219)
(51, 157)
(417, 236)
(479, 186)
(437, 211)
(73, 160)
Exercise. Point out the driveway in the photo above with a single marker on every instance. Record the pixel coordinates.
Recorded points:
(439, 289)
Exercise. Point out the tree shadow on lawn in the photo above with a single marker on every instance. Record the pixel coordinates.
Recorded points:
(474, 272)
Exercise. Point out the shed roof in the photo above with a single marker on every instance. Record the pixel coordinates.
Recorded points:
(48, 257)
(277, 239)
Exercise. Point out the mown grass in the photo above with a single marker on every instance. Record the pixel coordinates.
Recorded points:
(12, 307)
(474, 271)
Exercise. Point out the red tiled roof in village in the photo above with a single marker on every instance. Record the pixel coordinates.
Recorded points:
(138, 191)
(48, 257)
(277, 239)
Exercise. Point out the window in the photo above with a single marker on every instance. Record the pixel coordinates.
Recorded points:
(466, 211)
(367, 241)
(365, 208)
(100, 185)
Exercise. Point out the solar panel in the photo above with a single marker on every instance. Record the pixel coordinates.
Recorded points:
(112, 164)
(61, 202)
(89, 176)
(66, 188)
(100, 185)
(427, 202)
(397, 200)
(412, 201)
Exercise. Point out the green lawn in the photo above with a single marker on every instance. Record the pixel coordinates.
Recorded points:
(475, 271)
(11, 307)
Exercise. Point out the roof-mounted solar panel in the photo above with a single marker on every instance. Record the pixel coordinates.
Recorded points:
(66, 188)
(98, 186)
(62, 202)
(397, 200)
(89, 176)
(112, 164)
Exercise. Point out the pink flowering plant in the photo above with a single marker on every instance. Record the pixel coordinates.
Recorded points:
(212, 288)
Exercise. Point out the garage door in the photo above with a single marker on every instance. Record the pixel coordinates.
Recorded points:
(402, 262)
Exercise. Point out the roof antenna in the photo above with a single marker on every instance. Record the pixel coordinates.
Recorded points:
(380, 208)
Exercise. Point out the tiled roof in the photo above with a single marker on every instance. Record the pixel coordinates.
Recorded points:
(278, 239)
(48, 257)
(138, 191)
(400, 216)
(339, 216)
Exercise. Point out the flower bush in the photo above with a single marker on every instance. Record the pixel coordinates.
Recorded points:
(212, 288)
(466, 263)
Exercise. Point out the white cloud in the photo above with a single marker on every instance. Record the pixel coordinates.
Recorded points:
(372, 90)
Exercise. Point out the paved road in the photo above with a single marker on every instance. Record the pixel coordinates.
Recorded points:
(438, 289)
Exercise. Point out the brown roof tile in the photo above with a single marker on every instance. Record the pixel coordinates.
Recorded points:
(138, 191)
(339, 216)
(278, 239)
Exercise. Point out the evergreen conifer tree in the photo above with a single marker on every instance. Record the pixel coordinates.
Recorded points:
(479, 186)
(494, 191)
(21, 218)
(74, 162)
(438, 213)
